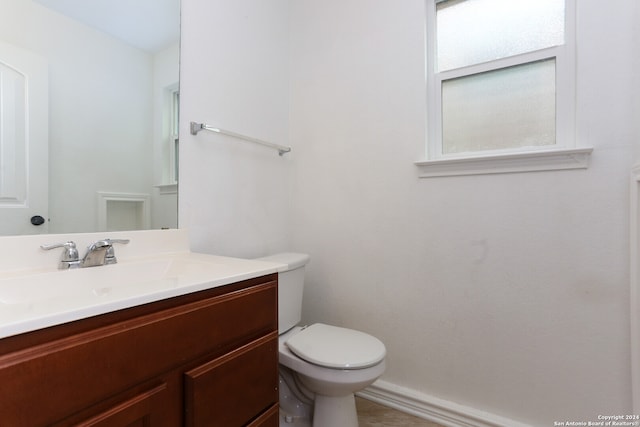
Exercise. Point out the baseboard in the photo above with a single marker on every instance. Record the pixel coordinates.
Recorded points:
(431, 408)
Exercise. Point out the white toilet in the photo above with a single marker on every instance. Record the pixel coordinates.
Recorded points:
(321, 366)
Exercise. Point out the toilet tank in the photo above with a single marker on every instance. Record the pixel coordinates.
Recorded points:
(290, 288)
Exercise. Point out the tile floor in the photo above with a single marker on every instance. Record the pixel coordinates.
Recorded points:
(371, 414)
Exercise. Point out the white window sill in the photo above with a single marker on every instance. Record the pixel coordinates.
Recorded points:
(506, 163)
(168, 188)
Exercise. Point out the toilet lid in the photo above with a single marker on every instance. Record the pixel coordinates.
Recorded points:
(334, 347)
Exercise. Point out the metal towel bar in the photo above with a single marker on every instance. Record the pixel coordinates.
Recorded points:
(197, 127)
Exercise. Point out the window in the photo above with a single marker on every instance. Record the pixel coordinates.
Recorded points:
(500, 84)
(168, 145)
(173, 136)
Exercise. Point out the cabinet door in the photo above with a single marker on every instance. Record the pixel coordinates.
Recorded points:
(234, 389)
(137, 411)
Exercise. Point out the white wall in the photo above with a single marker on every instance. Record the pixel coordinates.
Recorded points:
(234, 74)
(505, 293)
(90, 142)
(635, 56)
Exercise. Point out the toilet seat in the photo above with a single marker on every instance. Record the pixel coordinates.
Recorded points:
(335, 347)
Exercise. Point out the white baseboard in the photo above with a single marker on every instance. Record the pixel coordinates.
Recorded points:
(431, 408)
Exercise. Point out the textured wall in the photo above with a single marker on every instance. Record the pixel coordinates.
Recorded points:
(507, 293)
(234, 196)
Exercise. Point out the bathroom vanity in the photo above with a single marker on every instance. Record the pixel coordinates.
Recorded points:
(196, 353)
(205, 359)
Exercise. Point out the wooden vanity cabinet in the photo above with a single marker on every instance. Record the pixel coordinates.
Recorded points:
(205, 359)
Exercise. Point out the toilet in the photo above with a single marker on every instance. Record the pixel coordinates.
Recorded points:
(321, 366)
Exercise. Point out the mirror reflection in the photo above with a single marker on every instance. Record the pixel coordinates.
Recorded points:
(88, 115)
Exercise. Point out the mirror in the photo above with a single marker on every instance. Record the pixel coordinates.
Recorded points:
(107, 116)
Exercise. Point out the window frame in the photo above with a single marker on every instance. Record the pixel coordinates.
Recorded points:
(169, 142)
(174, 136)
(565, 147)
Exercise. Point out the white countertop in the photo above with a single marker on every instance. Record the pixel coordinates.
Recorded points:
(42, 296)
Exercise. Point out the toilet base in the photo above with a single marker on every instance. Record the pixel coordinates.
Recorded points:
(332, 411)
(287, 420)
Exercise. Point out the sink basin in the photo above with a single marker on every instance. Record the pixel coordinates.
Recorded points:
(35, 299)
(97, 282)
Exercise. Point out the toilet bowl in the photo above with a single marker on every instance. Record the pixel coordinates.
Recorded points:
(322, 366)
(329, 376)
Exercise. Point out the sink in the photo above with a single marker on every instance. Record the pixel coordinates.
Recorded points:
(33, 299)
(96, 282)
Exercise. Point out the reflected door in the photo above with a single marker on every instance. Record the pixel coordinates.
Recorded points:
(24, 128)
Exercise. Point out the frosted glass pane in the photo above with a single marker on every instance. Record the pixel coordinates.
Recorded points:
(508, 108)
(475, 31)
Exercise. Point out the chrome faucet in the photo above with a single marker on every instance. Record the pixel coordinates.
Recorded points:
(98, 253)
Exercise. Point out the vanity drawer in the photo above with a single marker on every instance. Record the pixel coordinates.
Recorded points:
(45, 383)
(216, 392)
(136, 411)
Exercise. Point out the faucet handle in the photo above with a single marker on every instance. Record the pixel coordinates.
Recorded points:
(69, 258)
(121, 241)
(110, 257)
(106, 243)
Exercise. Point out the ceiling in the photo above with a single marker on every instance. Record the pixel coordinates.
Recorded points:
(150, 25)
